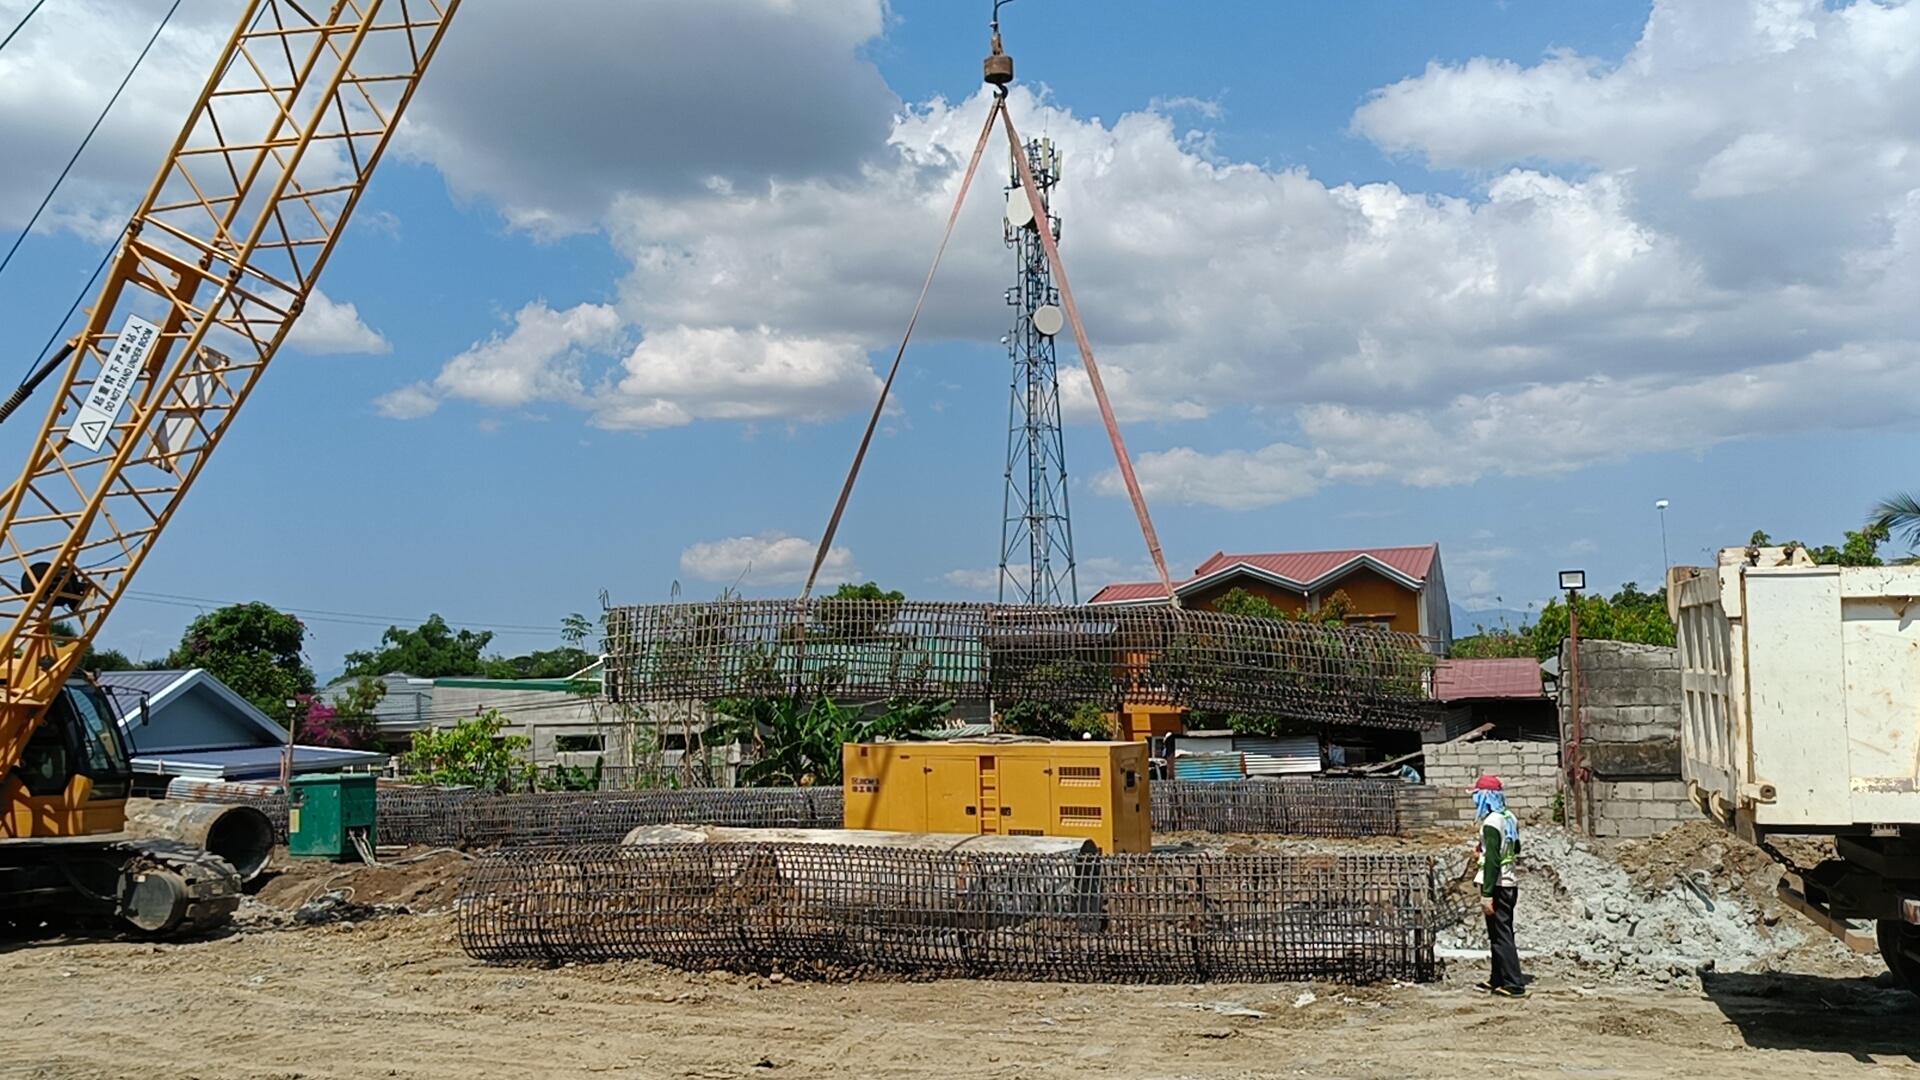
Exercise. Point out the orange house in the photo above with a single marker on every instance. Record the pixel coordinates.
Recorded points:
(1397, 588)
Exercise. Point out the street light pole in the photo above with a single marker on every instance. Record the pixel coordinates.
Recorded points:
(1666, 563)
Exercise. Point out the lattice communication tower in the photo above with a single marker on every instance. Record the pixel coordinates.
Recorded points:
(1036, 535)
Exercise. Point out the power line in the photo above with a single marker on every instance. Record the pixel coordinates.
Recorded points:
(31, 12)
(168, 17)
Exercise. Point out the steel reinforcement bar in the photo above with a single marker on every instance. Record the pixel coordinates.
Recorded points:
(873, 649)
(1289, 807)
(837, 911)
(448, 818)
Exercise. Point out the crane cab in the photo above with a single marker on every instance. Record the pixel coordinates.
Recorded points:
(73, 774)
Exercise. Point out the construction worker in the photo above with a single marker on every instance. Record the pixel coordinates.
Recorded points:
(1498, 846)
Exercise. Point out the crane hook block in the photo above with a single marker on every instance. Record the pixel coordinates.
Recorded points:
(998, 67)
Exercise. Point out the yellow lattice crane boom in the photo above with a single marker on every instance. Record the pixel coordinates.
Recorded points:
(215, 267)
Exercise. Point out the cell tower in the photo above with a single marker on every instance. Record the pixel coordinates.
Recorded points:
(1036, 534)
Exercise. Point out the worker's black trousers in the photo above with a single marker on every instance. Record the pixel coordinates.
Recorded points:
(1506, 957)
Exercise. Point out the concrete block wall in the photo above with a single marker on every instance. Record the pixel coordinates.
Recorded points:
(1637, 808)
(1529, 772)
(1630, 701)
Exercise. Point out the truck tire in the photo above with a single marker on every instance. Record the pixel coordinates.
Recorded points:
(1900, 948)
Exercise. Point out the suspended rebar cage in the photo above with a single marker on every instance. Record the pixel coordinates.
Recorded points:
(836, 911)
(1057, 655)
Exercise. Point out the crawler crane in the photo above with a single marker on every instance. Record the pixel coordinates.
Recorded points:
(214, 268)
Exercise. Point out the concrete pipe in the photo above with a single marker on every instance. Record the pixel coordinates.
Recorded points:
(242, 835)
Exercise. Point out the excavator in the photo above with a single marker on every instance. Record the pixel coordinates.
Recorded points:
(213, 270)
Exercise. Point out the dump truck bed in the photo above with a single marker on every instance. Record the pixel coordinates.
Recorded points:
(1800, 690)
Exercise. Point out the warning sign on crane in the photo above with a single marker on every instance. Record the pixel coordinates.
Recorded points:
(110, 390)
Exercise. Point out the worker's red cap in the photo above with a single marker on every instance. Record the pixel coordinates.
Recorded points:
(1487, 783)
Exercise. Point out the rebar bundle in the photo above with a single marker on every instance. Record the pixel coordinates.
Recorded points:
(1057, 655)
(807, 909)
(1288, 807)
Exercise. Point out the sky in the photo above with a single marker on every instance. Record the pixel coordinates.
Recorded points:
(1496, 274)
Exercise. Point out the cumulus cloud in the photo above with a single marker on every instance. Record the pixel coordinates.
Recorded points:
(686, 373)
(770, 558)
(327, 326)
(1235, 480)
(970, 579)
(538, 360)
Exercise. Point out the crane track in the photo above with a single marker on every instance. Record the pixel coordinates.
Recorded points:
(213, 885)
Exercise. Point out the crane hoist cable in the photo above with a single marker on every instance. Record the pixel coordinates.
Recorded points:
(998, 70)
(164, 20)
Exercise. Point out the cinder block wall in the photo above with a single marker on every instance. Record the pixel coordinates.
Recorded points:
(1529, 772)
(1630, 704)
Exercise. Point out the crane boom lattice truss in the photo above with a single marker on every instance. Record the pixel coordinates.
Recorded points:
(216, 265)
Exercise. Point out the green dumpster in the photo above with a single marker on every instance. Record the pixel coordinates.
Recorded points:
(325, 811)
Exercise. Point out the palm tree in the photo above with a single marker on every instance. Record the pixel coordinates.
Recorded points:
(1898, 513)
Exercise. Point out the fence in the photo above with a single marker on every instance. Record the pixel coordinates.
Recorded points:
(807, 909)
(1057, 655)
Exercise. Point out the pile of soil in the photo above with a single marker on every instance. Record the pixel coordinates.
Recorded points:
(417, 881)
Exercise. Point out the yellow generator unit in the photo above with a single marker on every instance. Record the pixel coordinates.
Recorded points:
(1095, 790)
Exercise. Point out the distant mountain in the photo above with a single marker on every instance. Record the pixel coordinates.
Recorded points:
(1464, 620)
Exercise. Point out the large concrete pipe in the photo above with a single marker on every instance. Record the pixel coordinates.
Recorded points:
(242, 835)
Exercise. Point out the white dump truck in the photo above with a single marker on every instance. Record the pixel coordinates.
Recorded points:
(1801, 714)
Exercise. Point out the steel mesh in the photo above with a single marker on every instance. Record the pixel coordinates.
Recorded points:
(808, 909)
(1056, 655)
(1291, 807)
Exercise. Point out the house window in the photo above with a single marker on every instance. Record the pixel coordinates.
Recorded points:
(579, 744)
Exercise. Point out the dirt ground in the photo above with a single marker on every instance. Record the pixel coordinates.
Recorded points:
(320, 981)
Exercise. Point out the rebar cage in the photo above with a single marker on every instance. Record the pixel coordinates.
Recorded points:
(1055, 655)
(442, 817)
(834, 911)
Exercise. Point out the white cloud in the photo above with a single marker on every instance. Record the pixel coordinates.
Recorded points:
(979, 580)
(326, 326)
(771, 558)
(1714, 237)
(1234, 480)
(682, 374)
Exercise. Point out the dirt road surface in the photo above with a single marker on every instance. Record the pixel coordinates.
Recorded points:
(394, 996)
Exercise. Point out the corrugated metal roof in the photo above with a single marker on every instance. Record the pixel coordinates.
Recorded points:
(1283, 756)
(253, 763)
(131, 686)
(1475, 680)
(1211, 766)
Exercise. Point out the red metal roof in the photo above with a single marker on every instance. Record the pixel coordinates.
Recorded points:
(1471, 680)
(1299, 568)
(1307, 566)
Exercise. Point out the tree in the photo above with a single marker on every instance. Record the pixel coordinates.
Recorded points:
(869, 591)
(1057, 721)
(433, 651)
(253, 649)
(1860, 548)
(348, 722)
(797, 740)
(1897, 513)
(1627, 615)
(1332, 611)
(472, 753)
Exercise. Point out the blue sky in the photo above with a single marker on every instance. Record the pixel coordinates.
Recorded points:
(1497, 275)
